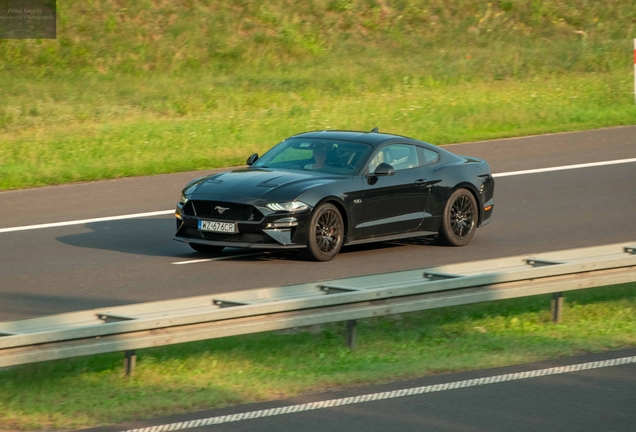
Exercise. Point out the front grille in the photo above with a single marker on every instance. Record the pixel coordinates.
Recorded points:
(215, 210)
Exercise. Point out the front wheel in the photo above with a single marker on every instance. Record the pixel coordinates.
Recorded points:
(203, 248)
(459, 221)
(325, 234)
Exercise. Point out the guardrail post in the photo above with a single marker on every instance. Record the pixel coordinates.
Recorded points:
(130, 361)
(557, 306)
(351, 334)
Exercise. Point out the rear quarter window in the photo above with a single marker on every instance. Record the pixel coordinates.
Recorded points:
(426, 156)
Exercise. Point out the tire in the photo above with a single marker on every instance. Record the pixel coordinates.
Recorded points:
(203, 248)
(325, 234)
(459, 221)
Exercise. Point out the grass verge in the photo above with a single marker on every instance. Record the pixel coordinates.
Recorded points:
(115, 136)
(157, 86)
(92, 391)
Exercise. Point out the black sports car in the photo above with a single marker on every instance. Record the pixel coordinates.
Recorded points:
(318, 191)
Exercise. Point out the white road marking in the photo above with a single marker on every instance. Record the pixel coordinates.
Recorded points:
(386, 395)
(166, 212)
(85, 221)
(565, 167)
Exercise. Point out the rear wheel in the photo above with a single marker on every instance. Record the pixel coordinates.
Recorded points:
(203, 248)
(325, 234)
(459, 221)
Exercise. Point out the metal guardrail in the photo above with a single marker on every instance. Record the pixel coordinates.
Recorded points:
(144, 325)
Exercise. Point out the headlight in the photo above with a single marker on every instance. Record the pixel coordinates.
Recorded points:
(290, 206)
(183, 199)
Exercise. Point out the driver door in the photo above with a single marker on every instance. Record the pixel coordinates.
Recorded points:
(394, 204)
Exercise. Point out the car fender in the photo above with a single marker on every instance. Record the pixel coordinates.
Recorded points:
(337, 201)
(475, 192)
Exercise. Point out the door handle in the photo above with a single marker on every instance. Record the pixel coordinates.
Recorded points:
(427, 183)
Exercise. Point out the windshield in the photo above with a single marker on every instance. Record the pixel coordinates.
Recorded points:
(312, 154)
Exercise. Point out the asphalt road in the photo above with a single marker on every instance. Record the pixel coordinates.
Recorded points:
(61, 269)
(593, 400)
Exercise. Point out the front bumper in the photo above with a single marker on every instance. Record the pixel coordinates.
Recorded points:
(238, 244)
(269, 230)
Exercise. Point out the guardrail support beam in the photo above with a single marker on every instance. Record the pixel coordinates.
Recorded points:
(109, 318)
(335, 289)
(557, 306)
(541, 263)
(351, 334)
(130, 361)
(435, 276)
(227, 303)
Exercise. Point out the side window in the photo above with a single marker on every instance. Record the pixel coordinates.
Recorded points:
(399, 156)
(426, 156)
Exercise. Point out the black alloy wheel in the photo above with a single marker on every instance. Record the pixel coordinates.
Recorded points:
(460, 219)
(203, 248)
(325, 233)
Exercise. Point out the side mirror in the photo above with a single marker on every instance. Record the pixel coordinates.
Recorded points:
(384, 169)
(253, 158)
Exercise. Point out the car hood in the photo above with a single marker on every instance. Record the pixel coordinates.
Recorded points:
(252, 185)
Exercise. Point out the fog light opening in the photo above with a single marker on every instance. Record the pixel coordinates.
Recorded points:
(283, 223)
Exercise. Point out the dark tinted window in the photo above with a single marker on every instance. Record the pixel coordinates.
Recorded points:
(426, 156)
(399, 156)
(337, 157)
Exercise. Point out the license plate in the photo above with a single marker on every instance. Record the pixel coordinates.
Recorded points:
(221, 227)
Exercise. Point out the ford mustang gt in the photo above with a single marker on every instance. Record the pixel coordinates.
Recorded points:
(318, 191)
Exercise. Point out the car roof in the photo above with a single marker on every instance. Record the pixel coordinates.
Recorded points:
(372, 138)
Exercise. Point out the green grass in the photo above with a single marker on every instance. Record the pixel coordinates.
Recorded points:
(166, 86)
(92, 391)
(118, 137)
